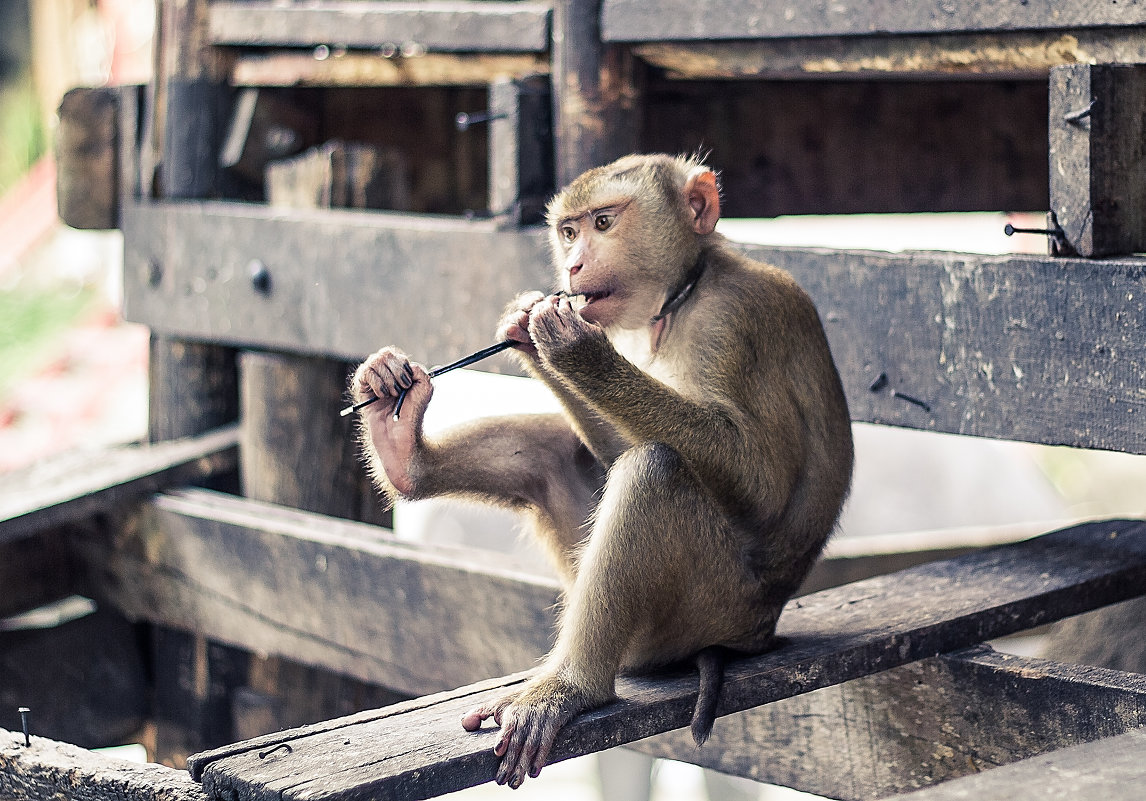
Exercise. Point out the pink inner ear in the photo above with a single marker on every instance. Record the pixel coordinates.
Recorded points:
(704, 199)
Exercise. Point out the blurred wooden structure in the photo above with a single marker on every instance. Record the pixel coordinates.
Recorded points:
(271, 595)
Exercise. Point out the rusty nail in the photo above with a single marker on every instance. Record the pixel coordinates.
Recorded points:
(24, 712)
(279, 747)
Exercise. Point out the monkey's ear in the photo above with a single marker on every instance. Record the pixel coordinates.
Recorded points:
(704, 199)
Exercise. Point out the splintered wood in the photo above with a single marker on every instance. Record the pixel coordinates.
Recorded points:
(418, 750)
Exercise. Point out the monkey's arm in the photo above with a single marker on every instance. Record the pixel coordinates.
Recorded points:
(602, 439)
(752, 460)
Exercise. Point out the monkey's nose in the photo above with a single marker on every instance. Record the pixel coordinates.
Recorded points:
(576, 268)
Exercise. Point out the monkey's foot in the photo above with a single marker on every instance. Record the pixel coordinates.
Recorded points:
(530, 721)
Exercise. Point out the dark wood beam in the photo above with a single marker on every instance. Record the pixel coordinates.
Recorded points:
(79, 484)
(917, 725)
(1022, 347)
(418, 750)
(322, 591)
(690, 20)
(437, 25)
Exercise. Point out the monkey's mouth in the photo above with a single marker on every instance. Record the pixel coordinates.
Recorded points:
(593, 297)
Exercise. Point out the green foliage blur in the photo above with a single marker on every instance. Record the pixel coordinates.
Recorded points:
(22, 136)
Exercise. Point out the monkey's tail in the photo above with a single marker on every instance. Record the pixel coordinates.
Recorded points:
(710, 666)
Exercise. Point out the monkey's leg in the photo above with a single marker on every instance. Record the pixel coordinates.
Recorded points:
(659, 561)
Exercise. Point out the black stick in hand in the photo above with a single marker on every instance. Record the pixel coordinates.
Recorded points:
(434, 373)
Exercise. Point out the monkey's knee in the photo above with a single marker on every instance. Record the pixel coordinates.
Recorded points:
(651, 464)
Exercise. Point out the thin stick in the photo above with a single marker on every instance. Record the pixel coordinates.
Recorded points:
(484, 353)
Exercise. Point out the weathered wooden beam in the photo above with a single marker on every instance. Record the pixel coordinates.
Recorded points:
(79, 484)
(324, 592)
(358, 69)
(436, 25)
(50, 769)
(1013, 54)
(1097, 161)
(596, 92)
(367, 265)
(917, 725)
(418, 750)
(520, 149)
(688, 20)
(1113, 769)
(1023, 347)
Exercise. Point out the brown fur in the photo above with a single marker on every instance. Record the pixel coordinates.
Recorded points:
(693, 480)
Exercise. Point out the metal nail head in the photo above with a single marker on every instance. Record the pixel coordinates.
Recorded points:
(24, 712)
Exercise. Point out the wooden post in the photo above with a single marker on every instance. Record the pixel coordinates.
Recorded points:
(520, 149)
(193, 386)
(1097, 160)
(596, 92)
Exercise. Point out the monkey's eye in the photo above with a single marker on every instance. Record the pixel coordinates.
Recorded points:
(603, 222)
(568, 233)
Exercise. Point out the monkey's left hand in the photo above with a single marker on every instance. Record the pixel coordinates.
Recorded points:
(555, 326)
(530, 721)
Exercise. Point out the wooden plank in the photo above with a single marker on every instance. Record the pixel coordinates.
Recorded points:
(1097, 162)
(596, 93)
(1021, 347)
(50, 769)
(79, 484)
(690, 20)
(204, 290)
(520, 149)
(1013, 54)
(355, 68)
(1113, 769)
(434, 25)
(917, 725)
(825, 638)
(324, 592)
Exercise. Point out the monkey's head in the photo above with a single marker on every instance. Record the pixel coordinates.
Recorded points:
(625, 236)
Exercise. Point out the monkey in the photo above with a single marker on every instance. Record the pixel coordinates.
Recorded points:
(699, 464)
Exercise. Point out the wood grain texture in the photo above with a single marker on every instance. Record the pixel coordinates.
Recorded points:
(438, 25)
(325, 592)
(825, 638)
(53, 770)
(1113, 769)
(359, 69)
(685, 20)
(1020, 347)
(917, 725)
(80, 484)
(1011, 54)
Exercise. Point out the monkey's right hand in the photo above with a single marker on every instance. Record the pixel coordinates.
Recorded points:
(514, 323)
(385, 375)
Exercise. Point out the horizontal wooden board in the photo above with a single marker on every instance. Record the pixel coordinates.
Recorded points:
(1013, 54)
(917, 725)
(690, 20)
(325, 592)
(1020, 347)
(342, 283)
(57, 770)
(358, 69)
(1113, 769)
(419, 751)
(79, 484)
(436, 25)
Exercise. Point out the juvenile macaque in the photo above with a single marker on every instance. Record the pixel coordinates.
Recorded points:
(700, 464)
